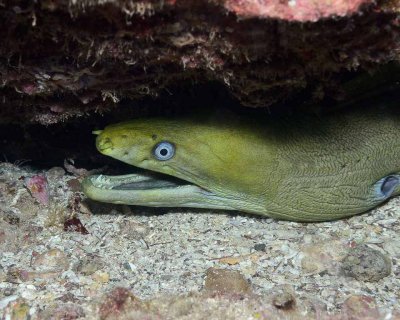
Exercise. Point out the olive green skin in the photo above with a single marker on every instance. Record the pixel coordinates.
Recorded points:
(300, 168)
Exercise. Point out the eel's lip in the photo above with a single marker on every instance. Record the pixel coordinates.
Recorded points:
(131, 182)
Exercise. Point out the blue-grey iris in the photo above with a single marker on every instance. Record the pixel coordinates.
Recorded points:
(164, 151)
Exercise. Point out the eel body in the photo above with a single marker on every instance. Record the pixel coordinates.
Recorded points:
(301, 168)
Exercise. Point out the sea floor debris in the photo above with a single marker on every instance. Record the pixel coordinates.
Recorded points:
(71, 258)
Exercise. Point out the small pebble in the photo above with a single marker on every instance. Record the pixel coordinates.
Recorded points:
(89, 265)
(17, 310)
(133, 230)
(55, 173)
(10, 217)
(52, 260)
(101, 277)
(62, 312)
(74, 185)
(360, 308)
(392, 248)
(322, 256)
(260, 247)
(226, 281)
(366, 264)
(283, 298)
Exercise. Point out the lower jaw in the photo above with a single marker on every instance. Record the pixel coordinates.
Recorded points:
(145, 190)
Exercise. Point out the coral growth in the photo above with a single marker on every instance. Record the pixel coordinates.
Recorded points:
(66, 58)
(294, 10)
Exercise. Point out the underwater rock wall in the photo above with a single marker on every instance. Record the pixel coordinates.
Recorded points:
(67, 58)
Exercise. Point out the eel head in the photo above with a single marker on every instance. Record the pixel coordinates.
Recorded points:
(189, 152)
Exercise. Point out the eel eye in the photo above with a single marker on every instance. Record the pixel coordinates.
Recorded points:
(388, 185)
(164, 151)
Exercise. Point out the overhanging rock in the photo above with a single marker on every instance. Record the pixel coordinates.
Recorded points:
(64, 58)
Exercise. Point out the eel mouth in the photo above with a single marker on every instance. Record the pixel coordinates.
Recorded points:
(149, 190)
(133, 182)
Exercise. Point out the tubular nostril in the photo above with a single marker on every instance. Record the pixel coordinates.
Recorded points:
(104, 144)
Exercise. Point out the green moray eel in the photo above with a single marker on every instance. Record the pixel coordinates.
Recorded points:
(300, 168)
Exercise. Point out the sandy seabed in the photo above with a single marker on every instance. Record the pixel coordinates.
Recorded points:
(64, 257)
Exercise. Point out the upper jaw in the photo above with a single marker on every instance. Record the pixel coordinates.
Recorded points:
(131, 182)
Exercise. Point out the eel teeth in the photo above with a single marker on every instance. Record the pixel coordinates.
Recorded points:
(102, 186)
(102, 179)
(102, 182)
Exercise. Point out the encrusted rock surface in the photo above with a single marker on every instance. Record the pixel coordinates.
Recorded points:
(71, 259)
(67, 58)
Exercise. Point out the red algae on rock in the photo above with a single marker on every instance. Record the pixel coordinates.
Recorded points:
(294, 10)
(117, 302)
(38, 188)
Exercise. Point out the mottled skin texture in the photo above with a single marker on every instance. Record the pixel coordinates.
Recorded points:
(302, 168)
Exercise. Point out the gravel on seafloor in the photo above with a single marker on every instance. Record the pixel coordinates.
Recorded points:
(64, 257)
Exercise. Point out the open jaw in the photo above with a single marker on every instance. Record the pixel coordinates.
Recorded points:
(146, 190)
